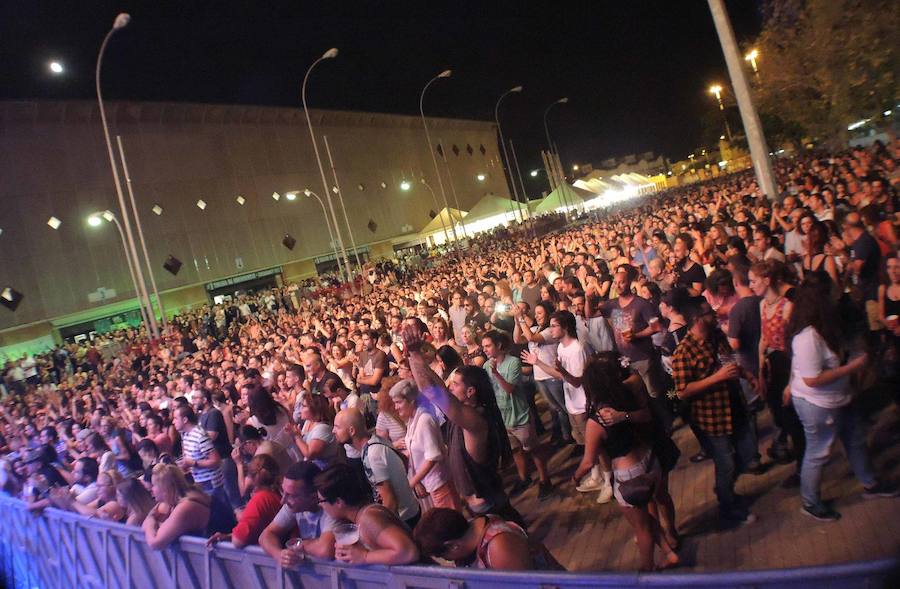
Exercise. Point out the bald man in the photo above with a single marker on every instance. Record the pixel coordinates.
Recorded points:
(383, 466)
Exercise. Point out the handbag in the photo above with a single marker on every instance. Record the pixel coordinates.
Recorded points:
(637, 491)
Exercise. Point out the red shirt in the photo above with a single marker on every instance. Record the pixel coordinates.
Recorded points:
(259, 513)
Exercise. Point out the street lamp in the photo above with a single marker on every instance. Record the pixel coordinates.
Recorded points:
(310, 194)
(95, 220)
(716, 90)
(443, 74)
(121, 22)
(330, 54)
(515, 89)
(534, 173)
(405, 186)
(751, 57)
(56, 67)
(546, 127)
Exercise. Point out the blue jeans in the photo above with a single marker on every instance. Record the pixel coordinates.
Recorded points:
(822, 428)
(731, 454)
(552, 389)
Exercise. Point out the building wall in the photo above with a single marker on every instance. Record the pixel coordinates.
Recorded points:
(53, 161)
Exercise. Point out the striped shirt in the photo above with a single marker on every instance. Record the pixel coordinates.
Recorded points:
(196, 445)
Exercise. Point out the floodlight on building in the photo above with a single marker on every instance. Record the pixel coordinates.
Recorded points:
(201, 204)
(276, 196)
(157, 210)
(481, 177)
(405, 185)
(54, 223)
(241, 200)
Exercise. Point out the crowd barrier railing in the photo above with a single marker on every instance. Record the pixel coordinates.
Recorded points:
(62, 550)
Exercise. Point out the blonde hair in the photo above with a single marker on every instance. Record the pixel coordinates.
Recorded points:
(170, 478)
(113, 475)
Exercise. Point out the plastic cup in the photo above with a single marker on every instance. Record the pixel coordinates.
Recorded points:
(346, 535)
(892, 321)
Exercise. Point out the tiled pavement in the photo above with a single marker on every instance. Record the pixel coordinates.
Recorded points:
(585, 536)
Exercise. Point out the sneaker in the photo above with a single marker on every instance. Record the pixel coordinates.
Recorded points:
(880, 490)
(699, 457)
(519, 487)
(606, 494)
(823, 513)
(545, 491)
(589, 485)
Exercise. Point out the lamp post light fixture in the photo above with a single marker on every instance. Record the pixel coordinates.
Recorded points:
(515, 89)
(95, 220)
(563, 100)
(443, 74)
(405, 186)
(290, 195)
(119, 23)
(330, 54)
(56, 67)
(310, 194)
(716, 90)
(534, 173)
(751, 57)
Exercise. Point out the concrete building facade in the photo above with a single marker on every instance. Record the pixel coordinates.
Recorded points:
(54, 164)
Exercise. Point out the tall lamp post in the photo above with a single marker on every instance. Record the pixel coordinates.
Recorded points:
(716, 91)
(437, 172)
(309, 194)
(330, 54)
(503, 141)
(562, 100)
(95, 220)
(121, 22)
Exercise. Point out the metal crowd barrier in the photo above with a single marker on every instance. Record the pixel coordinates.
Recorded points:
(62, 550)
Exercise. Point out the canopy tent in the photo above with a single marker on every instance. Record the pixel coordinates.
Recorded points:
(565, 197)
(593, 185)
(447, 218)
(491, 211)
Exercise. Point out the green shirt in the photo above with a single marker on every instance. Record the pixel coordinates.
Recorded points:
(514, 408)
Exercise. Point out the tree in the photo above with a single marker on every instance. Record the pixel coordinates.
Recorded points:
(827, 63)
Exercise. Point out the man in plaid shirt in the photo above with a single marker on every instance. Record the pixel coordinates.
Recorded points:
(706, 376)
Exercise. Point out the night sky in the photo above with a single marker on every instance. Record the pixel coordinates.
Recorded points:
(636, 72)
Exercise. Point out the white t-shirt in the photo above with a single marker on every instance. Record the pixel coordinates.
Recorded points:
(381, 464)
(573, 358)
(424, 442)
(311, 524)
(546, 352)
(811, 356)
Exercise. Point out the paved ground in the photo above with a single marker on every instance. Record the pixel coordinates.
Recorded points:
(586, 536)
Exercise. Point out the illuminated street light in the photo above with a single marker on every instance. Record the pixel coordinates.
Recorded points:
(345, 270)
(404, 186)
(716, 90)
(56, 67)
(534, 173)
(481, 177)
(751, 57)
(290, 195)
(94, 221)
(575, 168)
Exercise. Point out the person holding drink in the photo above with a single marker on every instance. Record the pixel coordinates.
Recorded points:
(379, 536)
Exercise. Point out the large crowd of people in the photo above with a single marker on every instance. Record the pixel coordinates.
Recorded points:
(396, 419)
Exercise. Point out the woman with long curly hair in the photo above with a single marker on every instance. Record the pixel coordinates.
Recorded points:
(620, 421)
